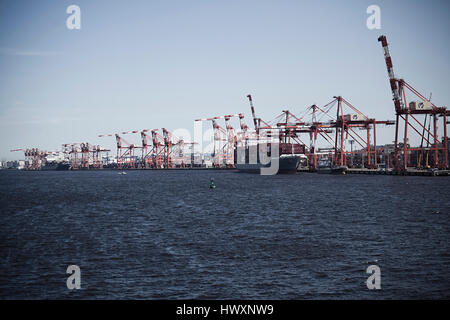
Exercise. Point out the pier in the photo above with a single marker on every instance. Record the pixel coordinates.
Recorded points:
(409, 172)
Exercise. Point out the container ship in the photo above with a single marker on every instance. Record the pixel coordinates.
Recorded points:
(289, 158)
(53, 165)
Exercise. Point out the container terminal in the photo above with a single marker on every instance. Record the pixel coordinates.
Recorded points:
(332, 138)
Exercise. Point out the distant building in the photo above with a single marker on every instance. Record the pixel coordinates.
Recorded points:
(12, 164)
(21, 164)
(15, 164)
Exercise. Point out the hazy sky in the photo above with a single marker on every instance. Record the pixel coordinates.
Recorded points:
(152, 64)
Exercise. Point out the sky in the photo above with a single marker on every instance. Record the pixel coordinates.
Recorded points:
(150, 64)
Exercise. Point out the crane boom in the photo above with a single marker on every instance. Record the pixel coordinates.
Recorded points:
(255, 122)
(398, 103)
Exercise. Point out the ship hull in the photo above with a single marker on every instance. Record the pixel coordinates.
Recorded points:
(55, 166)
(333, 170)
(286, 165)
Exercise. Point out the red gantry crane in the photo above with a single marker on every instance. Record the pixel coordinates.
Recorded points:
(148, 154)
(166, 151)
(174, 153)
(125, 150)
(288, 126)
(34, 157)
(344, 125)
(225, 139)
(83, 155)
(158, 149)
(410, 113)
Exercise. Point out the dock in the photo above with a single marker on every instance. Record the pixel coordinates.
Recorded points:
(409, 172)
(391, 172)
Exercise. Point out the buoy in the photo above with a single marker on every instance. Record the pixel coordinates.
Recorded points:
(212, 185)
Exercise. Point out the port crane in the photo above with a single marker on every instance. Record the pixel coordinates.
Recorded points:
(162, 151)
(34, 157)
(409, 114)
(148, 149)
(348, 118)
(225, 139)
(125, 150)
(174, 153)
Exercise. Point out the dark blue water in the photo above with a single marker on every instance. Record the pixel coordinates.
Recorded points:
(165, 234)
